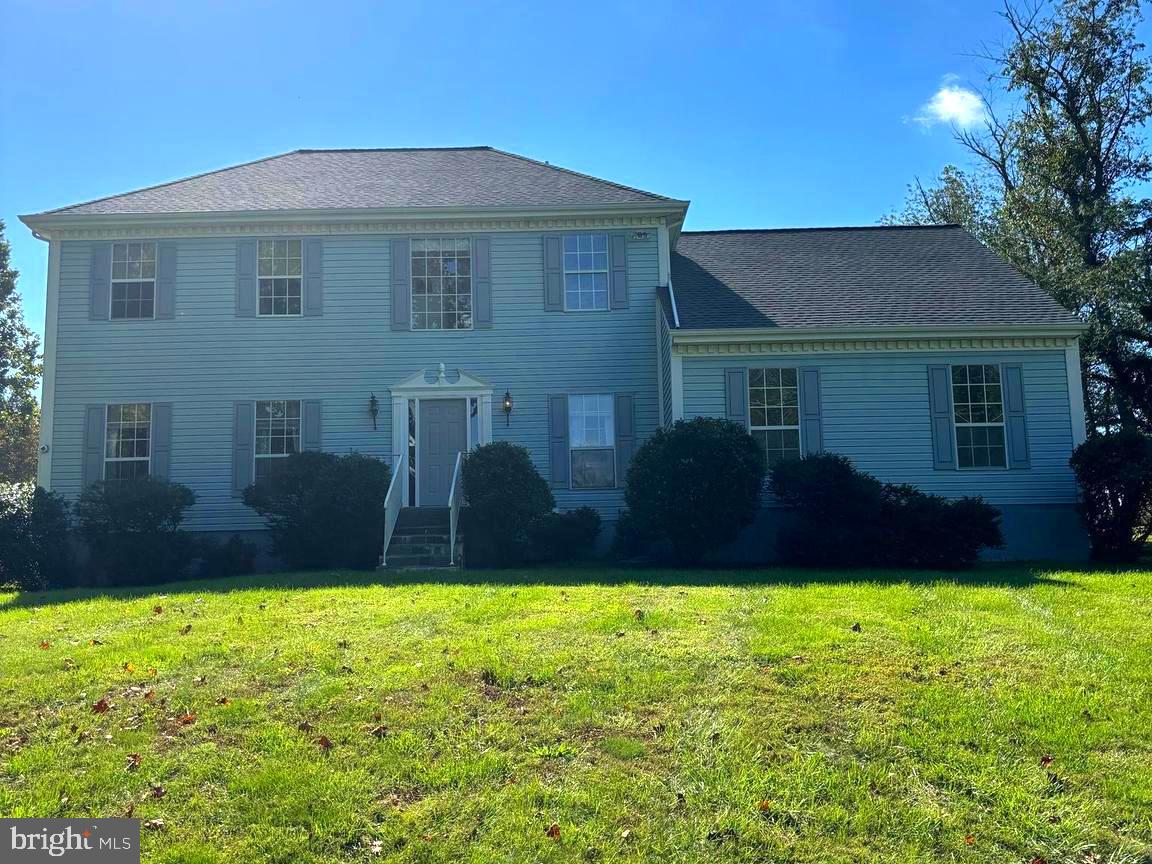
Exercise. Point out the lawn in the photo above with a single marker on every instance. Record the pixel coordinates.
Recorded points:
(999, 716)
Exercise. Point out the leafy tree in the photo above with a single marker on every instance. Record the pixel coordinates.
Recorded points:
(19, 376)
(1058, 186)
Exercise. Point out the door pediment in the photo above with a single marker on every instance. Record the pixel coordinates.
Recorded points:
(431, 383)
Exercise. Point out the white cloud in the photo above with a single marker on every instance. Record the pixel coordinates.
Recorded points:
(952, 104)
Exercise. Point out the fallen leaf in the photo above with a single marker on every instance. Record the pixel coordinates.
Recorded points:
(155, 825)
(625, 834)
(856, 628)
(69, 664)
(129, 667)
(151, 672)
(376, 847)
(969, 840)
(764, 806)
(159, 791)
(186, 629)
(1039, 860)
(324, 743)
(100, 707)
(187, 719)
(223, 700)
(343, 643)
(95, 642)
(150, 695)
(1046, 760)
(128, 811)
(157, 610)
(553, 831)
(133, 761)
(639, 614)
(200, 680)
(380, 731)
(44, 646)
(304, 726)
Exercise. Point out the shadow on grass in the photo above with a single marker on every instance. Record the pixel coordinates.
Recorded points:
(1014, 575)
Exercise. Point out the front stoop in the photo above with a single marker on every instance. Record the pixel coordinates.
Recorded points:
(421, 540)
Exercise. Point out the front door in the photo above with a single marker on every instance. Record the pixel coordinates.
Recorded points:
(443, 434)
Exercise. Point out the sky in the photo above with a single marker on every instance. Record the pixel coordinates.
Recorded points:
(768, 114)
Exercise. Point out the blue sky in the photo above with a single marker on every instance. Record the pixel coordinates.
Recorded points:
(768, 114)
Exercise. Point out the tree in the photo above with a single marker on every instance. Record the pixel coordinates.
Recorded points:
(19, 375)
(1058, 182)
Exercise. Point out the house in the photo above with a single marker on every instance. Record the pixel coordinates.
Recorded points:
(414, 303)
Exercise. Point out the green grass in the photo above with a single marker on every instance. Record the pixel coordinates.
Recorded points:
(709, 716)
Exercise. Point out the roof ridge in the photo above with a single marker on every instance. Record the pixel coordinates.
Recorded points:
(823, 228)
(581, 174)
(168, 183)
(383, 149)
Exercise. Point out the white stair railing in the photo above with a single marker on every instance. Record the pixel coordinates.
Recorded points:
(454, 498)
(394, 502)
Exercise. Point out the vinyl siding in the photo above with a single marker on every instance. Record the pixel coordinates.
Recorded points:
(207, 358)
(875, 411)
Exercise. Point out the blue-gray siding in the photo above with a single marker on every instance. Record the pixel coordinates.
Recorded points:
(207, 358)
(875, 409)
(665, 370)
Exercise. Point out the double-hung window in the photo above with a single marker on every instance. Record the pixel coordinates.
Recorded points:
(585, 272)
(978, 406)
(442, 283)
(774, 412)
(127, 441)
(591, 439)
(133, 287)
(281, 279)
(277, 434)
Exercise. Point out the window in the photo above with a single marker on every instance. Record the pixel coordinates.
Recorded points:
(277, 434)
(442, 283)
(585, 272)
(281, 266)
(774, 406)
(591, 437)
(978, 405)
(127, 440)
(133, 280)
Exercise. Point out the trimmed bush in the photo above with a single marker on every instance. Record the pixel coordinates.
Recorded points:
(324, 510)
(692, 488)
(1115, 477)
(842, 517)
(566, 536)
(233, 557)
(33, 538)
(506, 496)
(132, 530)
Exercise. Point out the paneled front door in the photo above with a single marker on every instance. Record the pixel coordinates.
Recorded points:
(443, 434)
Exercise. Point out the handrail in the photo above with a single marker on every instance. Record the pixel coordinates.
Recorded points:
(454, 508)
(393, 502)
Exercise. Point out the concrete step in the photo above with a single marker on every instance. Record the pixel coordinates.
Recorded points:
(414, 548)
(419, 517)
(433, 535)
(409, 562)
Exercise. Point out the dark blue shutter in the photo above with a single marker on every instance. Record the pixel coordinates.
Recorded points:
(625, 435)
(482, 282)
(99, 281)
(553, 274)
(940, 405)
(1015, 425)
(618, 267)
(310, 425)
(166, 279)
(92, 459)
(401, 284)
(246, 279)
(243, 440)
(161, 443)
(736, 396)
(313, 276)
(811, 422)
(558, 439)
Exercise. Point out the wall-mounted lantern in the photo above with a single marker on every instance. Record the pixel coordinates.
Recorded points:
(373, 409)
(507, 408)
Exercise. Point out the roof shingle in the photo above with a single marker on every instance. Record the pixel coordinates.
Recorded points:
(885, 276)
(371, 179)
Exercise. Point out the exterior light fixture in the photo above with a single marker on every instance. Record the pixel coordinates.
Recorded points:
(507, 408)
(373, 409)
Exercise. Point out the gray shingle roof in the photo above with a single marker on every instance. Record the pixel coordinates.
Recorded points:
(885, 276)
(354, 179)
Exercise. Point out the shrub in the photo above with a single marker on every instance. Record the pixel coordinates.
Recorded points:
(33, 538)
(324, 510)
(564, 536)
(1115, 477)
(505, 495)
(694, 487)
(234, 557)
(132, 530)
(842, 517)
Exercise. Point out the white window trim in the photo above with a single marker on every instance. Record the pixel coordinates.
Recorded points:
(303, 266)
(471, 286)
(786, 428)
(257, 456)
(1003, 424)
(572, 487)
(564, 271)
(112, 281)
(104, 462)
